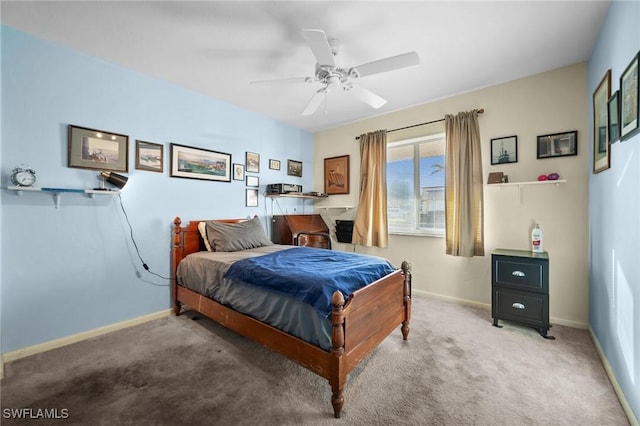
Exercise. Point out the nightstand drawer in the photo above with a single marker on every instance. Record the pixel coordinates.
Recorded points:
(520, 306)
(519, 274)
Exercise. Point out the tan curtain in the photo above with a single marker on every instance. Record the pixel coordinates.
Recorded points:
(370, 225)
(463, 186)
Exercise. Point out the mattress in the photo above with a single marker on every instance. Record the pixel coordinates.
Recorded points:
(203, 272)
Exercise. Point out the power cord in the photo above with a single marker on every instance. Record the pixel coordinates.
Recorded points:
(144, 265)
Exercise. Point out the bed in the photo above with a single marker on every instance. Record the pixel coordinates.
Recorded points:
(352, 328)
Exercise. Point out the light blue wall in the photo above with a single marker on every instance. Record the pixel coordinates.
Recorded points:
(614, 216)
(74, 268)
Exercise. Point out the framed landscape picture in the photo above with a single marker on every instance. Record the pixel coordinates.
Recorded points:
(149, 156)
(601, 155)
(253, 162)
(558, 145)
(629, 93)
(198, 163)
(336, 175)
(294, 168)
(97, 150)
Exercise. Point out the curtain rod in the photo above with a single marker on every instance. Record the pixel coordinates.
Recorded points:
(480, 111)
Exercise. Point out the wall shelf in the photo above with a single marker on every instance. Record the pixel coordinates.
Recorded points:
(57, 192)
(519, 185)
(333, 207)
(295, 195)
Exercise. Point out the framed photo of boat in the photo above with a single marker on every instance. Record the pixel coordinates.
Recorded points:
(504, 150)
(336, 175)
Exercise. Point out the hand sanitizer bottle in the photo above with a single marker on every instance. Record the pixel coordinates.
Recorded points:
(536, 240)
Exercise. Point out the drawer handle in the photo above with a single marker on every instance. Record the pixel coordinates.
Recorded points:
(518, 305)
(518, 274)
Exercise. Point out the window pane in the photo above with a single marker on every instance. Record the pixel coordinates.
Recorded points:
(400, 193)
(432, 185)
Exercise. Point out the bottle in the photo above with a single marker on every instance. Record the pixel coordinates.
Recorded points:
(536, 240)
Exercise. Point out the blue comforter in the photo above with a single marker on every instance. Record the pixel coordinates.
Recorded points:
(311, 275)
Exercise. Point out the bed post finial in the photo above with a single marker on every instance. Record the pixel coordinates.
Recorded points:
(338, 378)
(176, 255)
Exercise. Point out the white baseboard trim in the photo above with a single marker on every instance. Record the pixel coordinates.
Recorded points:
(67, 340)
(487, 306)
(614, 381)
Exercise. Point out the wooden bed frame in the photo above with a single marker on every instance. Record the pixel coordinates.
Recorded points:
(358, 326)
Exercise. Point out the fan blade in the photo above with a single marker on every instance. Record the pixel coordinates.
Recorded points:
(285, 80)
(387, 64)
(317, 41)
(315, 102)
(366, 96)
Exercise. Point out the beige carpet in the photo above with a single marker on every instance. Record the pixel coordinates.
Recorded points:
(456, 369)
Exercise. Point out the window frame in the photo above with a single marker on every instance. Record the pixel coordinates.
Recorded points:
(416, 142)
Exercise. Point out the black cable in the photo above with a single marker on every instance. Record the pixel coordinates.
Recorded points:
(144, 265)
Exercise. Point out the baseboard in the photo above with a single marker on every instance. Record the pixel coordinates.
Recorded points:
(67, 340)
(487, 306)
(614, 381)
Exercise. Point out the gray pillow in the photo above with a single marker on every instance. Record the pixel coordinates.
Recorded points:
(237, 236)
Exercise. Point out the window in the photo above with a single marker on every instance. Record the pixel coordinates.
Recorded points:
(415, 185)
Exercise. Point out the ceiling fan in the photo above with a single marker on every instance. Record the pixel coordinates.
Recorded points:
(333, 76)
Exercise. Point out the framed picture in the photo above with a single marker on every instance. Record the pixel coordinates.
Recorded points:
(149, 156)
(97, 150)
(253, 181)
(238, 171)
(613, 115)
(251, 198)
(504, 150)
(294, 168)
(601, 156)
(198, 163)
(629, 93)
(253, 162)
(336, 175)
(274, 164)
(558, 145)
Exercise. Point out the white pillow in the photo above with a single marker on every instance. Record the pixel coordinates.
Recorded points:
(202, 227)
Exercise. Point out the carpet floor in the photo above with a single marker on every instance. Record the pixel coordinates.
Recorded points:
(455, 369)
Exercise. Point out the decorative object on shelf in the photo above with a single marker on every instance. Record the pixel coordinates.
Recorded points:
(23, 176)
(536, 240)
(336, 175)
(252, 160)
(613, 115)
(253, 181)
(294, 168)
(251, 199)
(495, 177)
(558, 144)
(629, 94)
(97, 150)
(553, 176)
(504, 150)
(601, 154)
(238, 171)
(274, 164)
(149, 156)
(505, 179)
(114, 179)
(542, 178)
(198, 163)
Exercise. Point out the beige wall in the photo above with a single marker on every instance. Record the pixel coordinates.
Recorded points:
(551, 102)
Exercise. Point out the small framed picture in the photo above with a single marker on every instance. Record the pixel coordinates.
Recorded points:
(251, 198)
(601, 151)
(149, 156)
(629, 94)
(238, 171)
(98, 150)
(504, 150)
(253, 162)
(613, 110)
(274, 164)
(558, 144)
(294, 168)
(253, 181)
(336, 175)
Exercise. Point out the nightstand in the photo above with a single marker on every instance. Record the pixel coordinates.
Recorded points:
(520, 288)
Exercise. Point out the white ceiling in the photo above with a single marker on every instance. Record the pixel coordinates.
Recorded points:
(217, 48)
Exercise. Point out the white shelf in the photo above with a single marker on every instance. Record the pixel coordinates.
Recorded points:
(57, 192)
(333, 207)
(294, 195)
(519, 185)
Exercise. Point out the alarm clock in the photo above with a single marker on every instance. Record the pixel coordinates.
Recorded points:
(23, 176)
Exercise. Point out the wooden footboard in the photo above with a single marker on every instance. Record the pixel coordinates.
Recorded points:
(358, 325)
